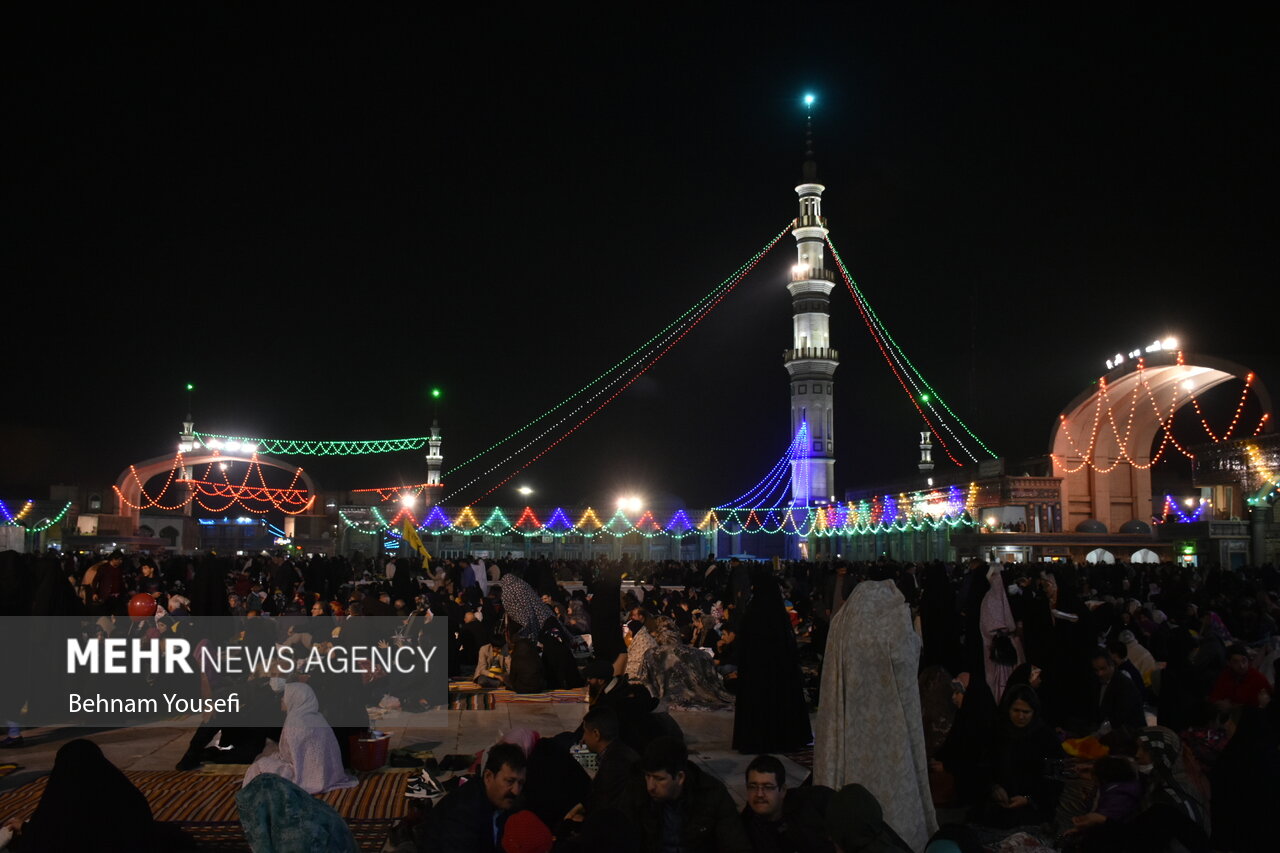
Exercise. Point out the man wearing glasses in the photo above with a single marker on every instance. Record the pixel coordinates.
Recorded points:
(778, 820)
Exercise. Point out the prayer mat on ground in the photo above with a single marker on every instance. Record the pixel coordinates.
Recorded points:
(210, 797)
(562, 697)
(469, 696)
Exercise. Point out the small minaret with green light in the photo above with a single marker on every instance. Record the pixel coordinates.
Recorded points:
(811, 362)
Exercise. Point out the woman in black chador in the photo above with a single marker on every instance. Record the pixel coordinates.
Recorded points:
(770, 714)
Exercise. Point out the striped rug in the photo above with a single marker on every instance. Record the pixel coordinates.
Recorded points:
(205, 797)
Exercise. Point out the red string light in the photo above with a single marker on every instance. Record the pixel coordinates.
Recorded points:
(705, 311)
(875, 336)
(1165, 423)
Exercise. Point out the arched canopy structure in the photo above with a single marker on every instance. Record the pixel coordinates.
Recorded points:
(131, 481)
(1104, 442)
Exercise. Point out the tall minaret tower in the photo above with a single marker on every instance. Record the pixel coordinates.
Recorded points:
(434, 458)
(811, 362)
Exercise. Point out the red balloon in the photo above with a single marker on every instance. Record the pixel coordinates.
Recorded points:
(142, 607)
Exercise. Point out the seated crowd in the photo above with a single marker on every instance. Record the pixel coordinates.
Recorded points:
(1091, 707)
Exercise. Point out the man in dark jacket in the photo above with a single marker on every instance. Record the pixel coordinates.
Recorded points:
(615, 760)
(680, 807)
(778, 820)
(470, 819)
(631, 702)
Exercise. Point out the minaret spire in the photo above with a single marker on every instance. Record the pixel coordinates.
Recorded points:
(811, 362)
(809, 170)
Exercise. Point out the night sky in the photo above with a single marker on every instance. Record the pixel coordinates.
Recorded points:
(318, 218)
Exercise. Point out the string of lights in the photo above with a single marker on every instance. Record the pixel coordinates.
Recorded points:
(1171, 509)
(11, 518)
(308, 447)
(57, 519)
(765, 491)
(285, 447)
(926, 395)
(891, 359)
(715, 294)
(744, 271)
(932, 509)
(1270, 482)
(1165, 421)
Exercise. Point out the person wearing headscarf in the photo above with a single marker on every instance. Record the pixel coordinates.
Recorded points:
(279, 817)
(855, 822)
(995, 621)
(308, 753)
(770, 713)
(523, 606)
(1021, 793)
(964, 753)
(603, 608)
(870, 726)
(89, 804)
(680, 675)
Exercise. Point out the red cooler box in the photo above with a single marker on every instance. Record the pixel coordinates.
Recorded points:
(369, 751)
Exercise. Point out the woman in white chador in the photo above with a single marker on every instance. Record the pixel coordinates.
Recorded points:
(870, 729)
(308, 754)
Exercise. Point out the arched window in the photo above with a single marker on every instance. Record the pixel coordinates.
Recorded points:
(1099, 555)
(95, 503)
(1145, 555)
(169, 535)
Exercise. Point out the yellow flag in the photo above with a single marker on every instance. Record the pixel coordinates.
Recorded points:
(410, 534)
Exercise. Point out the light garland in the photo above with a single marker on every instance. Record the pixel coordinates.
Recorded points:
(926, 394)
(1165, 422)
(930, 510)
(783, 473)
(716, 294)
(1271, 483)
(15, 520)
(640, 368)
(1171, 508)
(12, 519)
(306, 447)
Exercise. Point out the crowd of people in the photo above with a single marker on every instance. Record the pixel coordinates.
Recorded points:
(958, 705)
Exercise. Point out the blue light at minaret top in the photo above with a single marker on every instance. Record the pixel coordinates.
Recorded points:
(811, 362)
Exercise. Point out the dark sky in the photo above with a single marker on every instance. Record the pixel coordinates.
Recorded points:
(316, 218)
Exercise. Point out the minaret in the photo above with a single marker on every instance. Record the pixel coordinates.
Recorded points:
(434, 460)
(811, 362)
(926, 452)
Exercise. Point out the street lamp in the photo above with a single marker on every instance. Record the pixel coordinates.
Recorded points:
(630, 503)
(525, 490)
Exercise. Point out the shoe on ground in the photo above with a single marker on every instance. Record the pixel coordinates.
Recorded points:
(424, 786)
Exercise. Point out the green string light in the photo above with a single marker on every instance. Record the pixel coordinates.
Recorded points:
(925, 398)
(733, 522)
(677, 321)
(43, 527)
(308, 447)
(292, 447)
